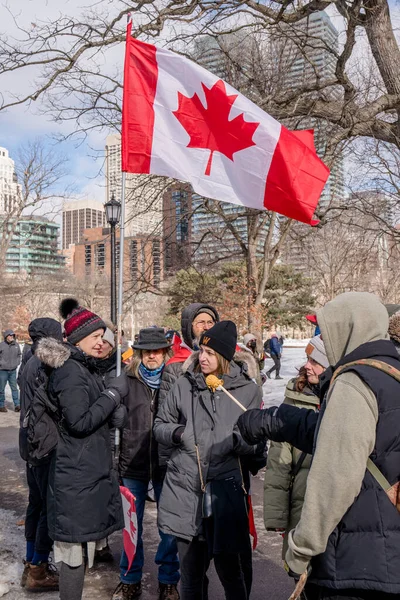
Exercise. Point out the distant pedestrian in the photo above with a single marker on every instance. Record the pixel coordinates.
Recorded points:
(38, 574)
(10, 358)
(139, 464)
(275, 350)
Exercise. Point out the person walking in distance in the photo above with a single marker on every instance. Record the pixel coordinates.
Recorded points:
(10, 358)
(139, 464)
(275, 353)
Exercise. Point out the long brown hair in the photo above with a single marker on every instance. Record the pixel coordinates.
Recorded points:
(223, 365)
(301, 380)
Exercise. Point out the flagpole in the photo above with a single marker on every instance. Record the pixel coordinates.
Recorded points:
(120, 297)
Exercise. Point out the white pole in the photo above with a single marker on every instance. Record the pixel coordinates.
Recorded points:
(121, 272)
(120, 294)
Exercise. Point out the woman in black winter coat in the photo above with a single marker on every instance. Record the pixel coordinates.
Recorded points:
(84, 503)
(205, 465)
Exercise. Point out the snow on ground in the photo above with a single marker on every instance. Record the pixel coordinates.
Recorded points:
(292, 360)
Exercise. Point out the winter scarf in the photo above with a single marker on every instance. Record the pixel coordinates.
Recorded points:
(151, 377)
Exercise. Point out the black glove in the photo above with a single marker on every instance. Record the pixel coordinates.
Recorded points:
(118, 385)
(252, 424)
(177, 435)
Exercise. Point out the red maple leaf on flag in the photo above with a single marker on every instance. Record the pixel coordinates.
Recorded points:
(209, 127)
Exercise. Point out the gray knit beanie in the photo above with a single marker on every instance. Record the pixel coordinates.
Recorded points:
(316, 349)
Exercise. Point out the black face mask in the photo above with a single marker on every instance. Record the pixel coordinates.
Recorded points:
(252, 345)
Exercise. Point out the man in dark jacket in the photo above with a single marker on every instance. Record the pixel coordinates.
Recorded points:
(349, 531)
(139, 465)
(10, 357)
(37, 575)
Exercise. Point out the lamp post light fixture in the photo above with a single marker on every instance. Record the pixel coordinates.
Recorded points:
(113, 215)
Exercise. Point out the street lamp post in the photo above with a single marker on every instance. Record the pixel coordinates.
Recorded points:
(113, 215)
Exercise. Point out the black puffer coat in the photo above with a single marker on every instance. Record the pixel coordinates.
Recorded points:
(84, 501)
(29, 372)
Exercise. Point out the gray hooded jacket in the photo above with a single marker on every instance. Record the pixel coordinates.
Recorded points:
(348, 430)
(219, 441)
(10, 354)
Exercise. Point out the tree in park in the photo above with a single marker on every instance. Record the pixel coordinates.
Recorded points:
(75, 82)
(287, 299)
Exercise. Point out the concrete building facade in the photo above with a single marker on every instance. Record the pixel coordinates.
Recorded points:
(143, 258)
(10, 190)
(78, 215)
(34, 247)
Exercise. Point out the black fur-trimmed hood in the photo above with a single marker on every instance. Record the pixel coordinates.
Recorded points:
(52, 353)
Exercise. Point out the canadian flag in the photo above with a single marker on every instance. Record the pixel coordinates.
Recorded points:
(181, 121)
(130, 531)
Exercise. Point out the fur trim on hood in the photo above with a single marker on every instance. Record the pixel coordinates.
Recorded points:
(52, 352)
(242, 357)
(394, 327)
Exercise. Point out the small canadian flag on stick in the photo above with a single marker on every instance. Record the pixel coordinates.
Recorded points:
(181, 121)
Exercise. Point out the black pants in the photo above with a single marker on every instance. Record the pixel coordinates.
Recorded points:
(194, 561)
(36, 514)
(277, 365)
(313, 592)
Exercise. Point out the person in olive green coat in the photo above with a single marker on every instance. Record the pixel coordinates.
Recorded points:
(287, 467)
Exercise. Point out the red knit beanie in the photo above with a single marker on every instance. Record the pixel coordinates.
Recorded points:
(79, 321)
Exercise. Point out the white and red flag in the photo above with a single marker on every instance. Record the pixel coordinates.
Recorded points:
(181, 121)
(130, 531)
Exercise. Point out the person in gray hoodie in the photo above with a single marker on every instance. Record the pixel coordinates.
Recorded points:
(348, 536)
(10, 358)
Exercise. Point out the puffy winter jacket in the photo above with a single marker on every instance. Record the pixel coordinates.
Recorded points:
(282, 499)
(275, 346)
(219, 441)
(28, 372)
(83, 501)
(10, 353)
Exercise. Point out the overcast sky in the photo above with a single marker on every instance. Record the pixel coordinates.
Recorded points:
(20, 124)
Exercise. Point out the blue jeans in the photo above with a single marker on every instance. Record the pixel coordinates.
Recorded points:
(167, 552)
(11, 377)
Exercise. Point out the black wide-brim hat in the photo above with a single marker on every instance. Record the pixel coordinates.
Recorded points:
(151, 338)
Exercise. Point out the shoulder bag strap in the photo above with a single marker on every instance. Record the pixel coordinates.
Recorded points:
(378, 475)
(202, 482)
(369, 362)
(389, 370)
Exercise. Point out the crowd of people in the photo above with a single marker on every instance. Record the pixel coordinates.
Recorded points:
(193, 433)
